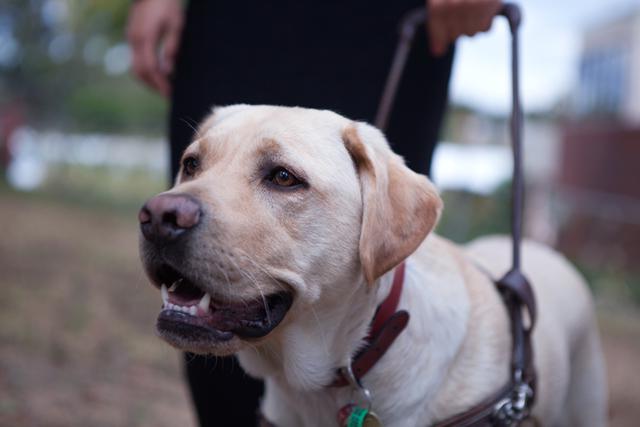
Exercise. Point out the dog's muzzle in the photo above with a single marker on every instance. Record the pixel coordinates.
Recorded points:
(191, 315)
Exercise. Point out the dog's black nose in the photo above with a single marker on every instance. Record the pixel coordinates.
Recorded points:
(166, 216)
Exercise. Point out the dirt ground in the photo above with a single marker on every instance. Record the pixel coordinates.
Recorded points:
(77, 346)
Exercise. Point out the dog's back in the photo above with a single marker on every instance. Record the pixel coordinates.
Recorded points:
(567, 346)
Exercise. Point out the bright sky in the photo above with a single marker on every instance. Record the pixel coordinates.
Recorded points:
(550, 49)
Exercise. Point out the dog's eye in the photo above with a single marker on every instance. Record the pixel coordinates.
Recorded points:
(190, 166)
(283, 178)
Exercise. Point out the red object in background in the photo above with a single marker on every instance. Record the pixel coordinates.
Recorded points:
(602, 157)
(600, 186)
(11, 119)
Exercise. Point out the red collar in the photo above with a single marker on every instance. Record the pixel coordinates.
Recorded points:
(386, 325)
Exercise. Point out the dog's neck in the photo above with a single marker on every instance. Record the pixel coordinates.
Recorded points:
(303, 358)
(306, 354)
(308, 351)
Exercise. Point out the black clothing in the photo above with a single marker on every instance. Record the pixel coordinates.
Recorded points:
(330, 54)
(222, 393)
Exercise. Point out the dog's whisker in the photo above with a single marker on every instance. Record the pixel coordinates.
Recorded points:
(256, 349)
(264, 270)
(259, 267)
(239, 270)
(323, 337)
(254, 282)
(186, 121)
(226, 276)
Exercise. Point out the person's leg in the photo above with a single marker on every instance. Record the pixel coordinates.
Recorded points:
(222, 393)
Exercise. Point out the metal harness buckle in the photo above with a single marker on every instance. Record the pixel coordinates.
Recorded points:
(512, 410)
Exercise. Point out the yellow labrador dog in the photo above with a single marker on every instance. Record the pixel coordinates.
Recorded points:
(280, 239)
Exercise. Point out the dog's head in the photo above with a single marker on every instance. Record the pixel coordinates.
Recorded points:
(275, 212)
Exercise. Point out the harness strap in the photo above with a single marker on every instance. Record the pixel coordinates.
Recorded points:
(511, 404)
(479, 415)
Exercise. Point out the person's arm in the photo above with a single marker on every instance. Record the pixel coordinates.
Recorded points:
(449, 19)
(153, 32)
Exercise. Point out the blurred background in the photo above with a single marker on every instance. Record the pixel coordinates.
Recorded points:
(82, 145)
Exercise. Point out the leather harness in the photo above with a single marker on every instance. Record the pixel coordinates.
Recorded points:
(508, 406)
(511, 404)
(386, 325)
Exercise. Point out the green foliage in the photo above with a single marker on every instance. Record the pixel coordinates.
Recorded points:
(467, 215)
(612, 281)
(107, 17)
(117, 105)
(71, 93)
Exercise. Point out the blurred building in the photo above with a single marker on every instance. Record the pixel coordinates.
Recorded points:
(609, 75)
(600, 178)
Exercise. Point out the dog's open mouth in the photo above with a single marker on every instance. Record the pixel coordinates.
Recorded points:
(191, 315)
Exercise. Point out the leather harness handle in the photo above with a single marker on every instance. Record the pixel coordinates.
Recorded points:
(408, 26)
(514, 287)
(515, 282)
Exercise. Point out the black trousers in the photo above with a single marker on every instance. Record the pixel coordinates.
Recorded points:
(330, 54)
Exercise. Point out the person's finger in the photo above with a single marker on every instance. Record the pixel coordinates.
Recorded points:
(438, 37)
(135, 37)
(463, 17)
(456, 18)
(143, 35)
(436, 25)
(481, 16)
(144, 63)
(488, 15)
(139, 69)
(150, 62)
(170, 47)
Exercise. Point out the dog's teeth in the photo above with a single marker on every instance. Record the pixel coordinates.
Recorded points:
(204, 302)
(175, 285)
(193, 310)
(164, 293)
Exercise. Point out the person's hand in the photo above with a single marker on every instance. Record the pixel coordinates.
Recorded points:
(153, 32)
(449, 19)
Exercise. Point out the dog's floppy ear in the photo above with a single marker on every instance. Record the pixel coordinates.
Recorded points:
(400, 207)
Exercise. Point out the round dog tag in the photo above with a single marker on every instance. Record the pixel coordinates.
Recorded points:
(371, 420)
(361, 417)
